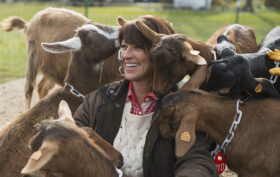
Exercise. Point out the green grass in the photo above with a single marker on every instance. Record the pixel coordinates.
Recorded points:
(198, 25)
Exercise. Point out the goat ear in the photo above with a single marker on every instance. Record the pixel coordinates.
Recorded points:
(65, 112)
(148, 33)
(41, 157)
(185, 136)
(73, 44)
(192, 55)
(121, 21)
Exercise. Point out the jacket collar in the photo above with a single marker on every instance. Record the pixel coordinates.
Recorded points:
(114, 90)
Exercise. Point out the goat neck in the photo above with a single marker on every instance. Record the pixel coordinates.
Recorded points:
(197, 110)
(87, 76)
(208, 119)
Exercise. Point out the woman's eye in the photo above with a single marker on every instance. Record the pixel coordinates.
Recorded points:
(124, 47)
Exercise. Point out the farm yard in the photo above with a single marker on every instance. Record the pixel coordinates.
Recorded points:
(198, 25)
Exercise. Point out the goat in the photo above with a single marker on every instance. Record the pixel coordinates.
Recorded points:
(241, 39)
(83, 74)
(43, 27)
(234, 70)
(233, 77)
(59, 146)
(175, 51)
(80, 70)
(253, 149)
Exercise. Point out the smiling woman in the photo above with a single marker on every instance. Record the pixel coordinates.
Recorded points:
(126, 113)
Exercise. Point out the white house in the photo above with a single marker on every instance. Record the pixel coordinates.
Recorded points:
(193, 4)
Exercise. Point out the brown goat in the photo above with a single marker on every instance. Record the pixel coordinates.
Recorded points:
(253, 151)
(175, 51)
(60, 146)
(241, 38)
(49, 25)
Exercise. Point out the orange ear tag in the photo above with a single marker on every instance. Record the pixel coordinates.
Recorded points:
(36, 155)
(185, 136)
(220, 162)
(258, 89)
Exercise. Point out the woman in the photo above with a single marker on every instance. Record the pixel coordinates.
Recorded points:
(125, 113)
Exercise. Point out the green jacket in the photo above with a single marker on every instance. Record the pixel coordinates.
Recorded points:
(102, 110)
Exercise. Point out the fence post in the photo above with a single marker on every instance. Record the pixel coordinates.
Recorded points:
(86, 8)
(237, 11)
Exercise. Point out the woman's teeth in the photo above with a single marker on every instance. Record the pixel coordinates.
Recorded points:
(131, 64)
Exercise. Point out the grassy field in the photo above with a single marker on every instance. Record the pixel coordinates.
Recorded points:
(195, 24)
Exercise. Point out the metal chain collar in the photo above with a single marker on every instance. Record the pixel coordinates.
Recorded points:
(73, 90)
(230, 136)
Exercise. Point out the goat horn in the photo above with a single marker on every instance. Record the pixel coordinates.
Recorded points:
(121, 21)
(148, 33)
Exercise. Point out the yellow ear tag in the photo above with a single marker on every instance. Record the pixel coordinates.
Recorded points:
(36, 155)
(185, 136)
(258, 89)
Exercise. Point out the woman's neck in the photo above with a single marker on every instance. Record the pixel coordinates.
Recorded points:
(141, 89)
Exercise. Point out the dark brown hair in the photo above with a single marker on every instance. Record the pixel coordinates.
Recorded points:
(131, 35)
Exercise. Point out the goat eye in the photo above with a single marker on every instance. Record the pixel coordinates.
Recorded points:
(36, 129)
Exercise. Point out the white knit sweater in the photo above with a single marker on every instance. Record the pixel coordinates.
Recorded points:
(130, 140)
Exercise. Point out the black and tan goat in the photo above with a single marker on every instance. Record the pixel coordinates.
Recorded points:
(83, 77)
(233, 77)
(59, 146)
(253, 151)
(234, 70)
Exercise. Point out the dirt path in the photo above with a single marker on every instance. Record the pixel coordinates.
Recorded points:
(12, 100)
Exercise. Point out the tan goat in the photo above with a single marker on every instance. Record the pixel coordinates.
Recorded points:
(241, 38)
(49, 25)
(60, 146)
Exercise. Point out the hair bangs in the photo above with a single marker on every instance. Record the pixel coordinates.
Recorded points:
(131, 35)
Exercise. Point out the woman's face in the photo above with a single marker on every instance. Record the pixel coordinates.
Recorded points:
(136, 63)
